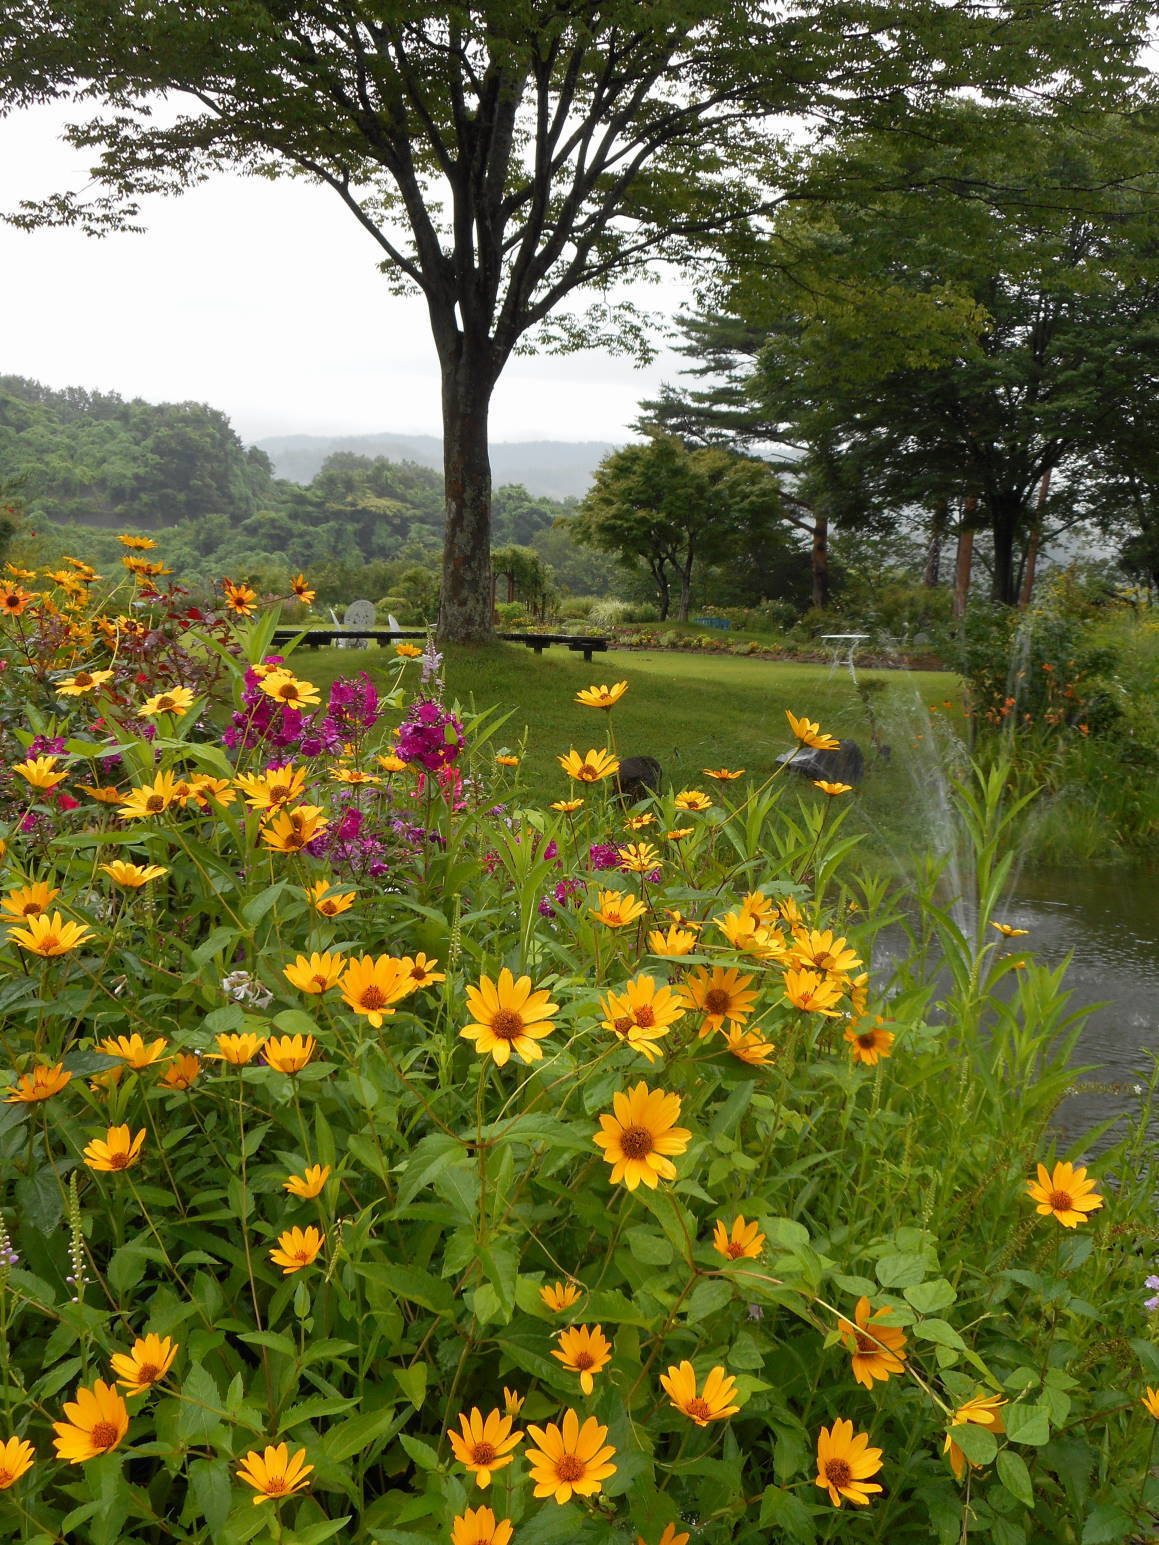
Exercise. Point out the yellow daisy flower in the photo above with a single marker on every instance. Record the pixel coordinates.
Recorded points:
(315, 974)
(877, 1348)
(983, 1411)
(484, 1445)
(372, 985)
(39, 1083)
(292, 830)
(96, 1422)
(845, 1463)
(712, 1405)
(744, 1241)
(133, 1050)
(133, 876)
(146, 1364)
(603, 696)
(591, 767)
(570, 1458)
(288, 1053)
(48, 936)
(17, 1456)
(115, 1151)
(810, 734)
(720, 994)
(618, 909)
(175, 700)
(559, 1296)
(1065, 1193)
(308, 1185)
(509, 1017)
(584, 1349)
(40, 772)
(297, 1248)
(274, 1474)
(641, 1135)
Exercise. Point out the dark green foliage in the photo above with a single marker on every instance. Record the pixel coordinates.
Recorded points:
(92, 456)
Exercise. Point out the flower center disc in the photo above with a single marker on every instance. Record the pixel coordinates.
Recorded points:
(506, 1024)
(698, 1407)
(373, 998)
(275, 1485)
(154, 804)
(636, 1142)
(118, 1161)
(148, 1373)
(838, 1473)
(103, 1435)
(484, 1454)
(583, 1360)
(716, 1000)
(569, 1468)
(1061, 1201)
(645, 1017)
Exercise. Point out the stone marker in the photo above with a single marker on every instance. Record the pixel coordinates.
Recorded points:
(844, 765)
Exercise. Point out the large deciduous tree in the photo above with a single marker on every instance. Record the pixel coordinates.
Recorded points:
(978, 324)
(675, 508)
(505, 155)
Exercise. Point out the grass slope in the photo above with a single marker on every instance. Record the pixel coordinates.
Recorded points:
(691, 712)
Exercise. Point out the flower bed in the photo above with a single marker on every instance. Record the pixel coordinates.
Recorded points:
(420, 1166)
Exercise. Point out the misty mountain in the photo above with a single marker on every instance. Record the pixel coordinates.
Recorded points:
(556, 469)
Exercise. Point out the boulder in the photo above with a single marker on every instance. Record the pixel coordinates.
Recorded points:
(638, 775)
(846, 764)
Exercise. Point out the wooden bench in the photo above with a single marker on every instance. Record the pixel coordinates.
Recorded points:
(317, 638)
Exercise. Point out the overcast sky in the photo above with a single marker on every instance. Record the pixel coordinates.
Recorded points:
(264, 300)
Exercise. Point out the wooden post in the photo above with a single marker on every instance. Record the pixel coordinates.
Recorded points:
(965, 557)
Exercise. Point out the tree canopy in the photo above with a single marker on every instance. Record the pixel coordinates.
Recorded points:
(504, 157)
(674, 508)
(991, 326)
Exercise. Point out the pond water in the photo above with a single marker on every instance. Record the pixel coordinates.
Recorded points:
(1107, 920)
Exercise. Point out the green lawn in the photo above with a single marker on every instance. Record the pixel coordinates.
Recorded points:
(693, 711)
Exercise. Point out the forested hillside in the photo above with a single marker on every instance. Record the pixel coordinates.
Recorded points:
(82, 465)
(93, 457)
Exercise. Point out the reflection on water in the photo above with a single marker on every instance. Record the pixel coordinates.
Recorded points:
(1108, 921)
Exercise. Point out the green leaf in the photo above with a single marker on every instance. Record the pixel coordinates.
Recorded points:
(210, 1483)
(929, 1297)
(977, 1443)
(940, 1332)
(296, 1022)
(417, 1287)
(422, 1453)
(1027, 1424)
(314, 1534)
(430, 1157)
(787, 1512)
(1106, 1524)
(194, 1422)
(901, 1270)
(1014, 1475)
(413, 1382)
(647, 1247)
(709, 1295)
(41, 1199)
(357, 1434)
(128, 1265)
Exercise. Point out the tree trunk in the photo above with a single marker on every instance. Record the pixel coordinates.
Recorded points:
(1006, 512)
(661, 578)
(939, 519)
(464, 607)
(1032, 545)
(686, 586)
(965, 559)
(820, 561)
